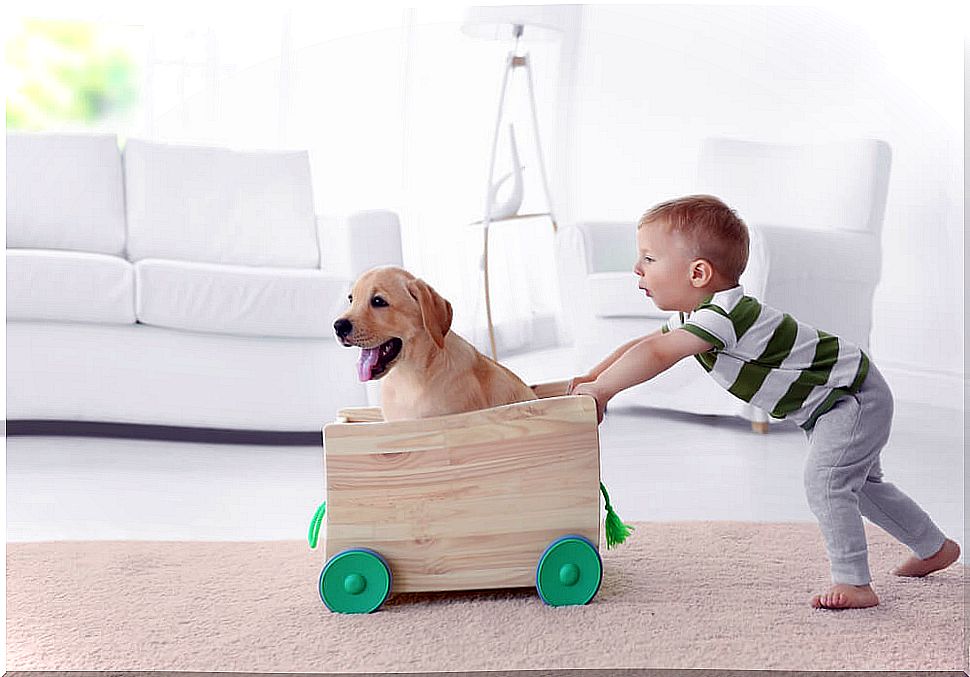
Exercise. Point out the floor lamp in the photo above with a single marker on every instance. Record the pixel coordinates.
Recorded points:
(510, 24)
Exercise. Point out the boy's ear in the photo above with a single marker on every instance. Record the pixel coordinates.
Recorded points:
(701, 272)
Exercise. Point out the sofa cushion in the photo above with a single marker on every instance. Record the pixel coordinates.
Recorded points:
(220, 206)
(243, 300)
(617, 295)
(65, 191)
(69, 287)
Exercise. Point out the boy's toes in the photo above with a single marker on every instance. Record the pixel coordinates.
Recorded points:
(846, 597)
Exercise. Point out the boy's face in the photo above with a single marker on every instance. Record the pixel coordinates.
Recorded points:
(664, 266)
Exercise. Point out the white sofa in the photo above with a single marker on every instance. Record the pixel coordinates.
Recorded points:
(173, 289)
(815, 216)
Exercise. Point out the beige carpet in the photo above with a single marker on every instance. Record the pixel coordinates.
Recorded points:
(680, 595)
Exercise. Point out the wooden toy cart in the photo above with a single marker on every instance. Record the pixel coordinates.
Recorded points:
(496, 498)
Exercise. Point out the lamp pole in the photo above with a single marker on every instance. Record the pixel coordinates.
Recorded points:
(512, 61)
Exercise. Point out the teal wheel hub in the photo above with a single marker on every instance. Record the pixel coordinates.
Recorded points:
(354, 584)
(355, 581)
(569, 572)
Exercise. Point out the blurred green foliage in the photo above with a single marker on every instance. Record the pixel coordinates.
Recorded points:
(69, 73)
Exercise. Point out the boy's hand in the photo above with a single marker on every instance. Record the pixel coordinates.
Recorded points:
(576, 380)
(597, 394)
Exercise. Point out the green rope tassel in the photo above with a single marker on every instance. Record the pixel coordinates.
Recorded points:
(315, 523)
(616, 530)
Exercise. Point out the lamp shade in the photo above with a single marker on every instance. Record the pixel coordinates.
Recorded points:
(540, 22)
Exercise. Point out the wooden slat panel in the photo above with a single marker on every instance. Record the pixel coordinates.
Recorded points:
(465, 501)
(360, 415)
(551, 388)
(375, 415)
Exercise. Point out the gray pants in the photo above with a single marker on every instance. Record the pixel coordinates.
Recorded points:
(843, 482)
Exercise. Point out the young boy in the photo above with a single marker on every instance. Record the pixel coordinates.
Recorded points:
(692, 252)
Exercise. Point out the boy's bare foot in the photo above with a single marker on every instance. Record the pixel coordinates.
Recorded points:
(944, 557)
(845, 596)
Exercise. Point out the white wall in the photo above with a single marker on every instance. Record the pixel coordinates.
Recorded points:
(652, 81)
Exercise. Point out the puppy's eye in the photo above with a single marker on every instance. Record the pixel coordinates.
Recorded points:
(350, 298)
(378, 302)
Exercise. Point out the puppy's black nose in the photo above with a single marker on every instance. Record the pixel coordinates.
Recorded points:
(342, 327)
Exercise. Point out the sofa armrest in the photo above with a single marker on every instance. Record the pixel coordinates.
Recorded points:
(609, 246)
(332, 242)
(594, 262)
(349, 245)
(374, 239)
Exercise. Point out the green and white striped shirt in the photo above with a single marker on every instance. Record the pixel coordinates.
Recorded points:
(771, 360)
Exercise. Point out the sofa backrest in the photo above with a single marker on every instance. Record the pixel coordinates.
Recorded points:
(65, 191)
(220, 206)
(838, 185)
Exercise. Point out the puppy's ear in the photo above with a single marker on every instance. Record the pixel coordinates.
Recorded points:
(435, 310)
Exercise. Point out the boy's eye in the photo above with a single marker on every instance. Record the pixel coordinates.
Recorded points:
(648, 259)
(378, 302)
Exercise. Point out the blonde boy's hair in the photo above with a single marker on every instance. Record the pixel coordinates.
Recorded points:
(712, 230)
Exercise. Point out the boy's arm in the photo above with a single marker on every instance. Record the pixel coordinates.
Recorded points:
(618, 353)
(593, 373)
(641, 362)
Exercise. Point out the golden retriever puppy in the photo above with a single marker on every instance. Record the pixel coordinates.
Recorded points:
(403, 329)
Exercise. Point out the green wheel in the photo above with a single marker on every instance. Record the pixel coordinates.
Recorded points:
(355, 581)
(569, 572)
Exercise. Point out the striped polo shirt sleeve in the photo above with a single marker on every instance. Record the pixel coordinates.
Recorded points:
(675, 321)
(713, 320)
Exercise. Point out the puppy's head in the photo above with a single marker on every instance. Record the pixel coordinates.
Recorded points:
(393, 316)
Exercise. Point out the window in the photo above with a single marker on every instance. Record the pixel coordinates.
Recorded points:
(73, 75)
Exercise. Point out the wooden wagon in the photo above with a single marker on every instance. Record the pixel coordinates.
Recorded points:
(496, 498)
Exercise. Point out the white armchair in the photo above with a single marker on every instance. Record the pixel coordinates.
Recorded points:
(815, 217)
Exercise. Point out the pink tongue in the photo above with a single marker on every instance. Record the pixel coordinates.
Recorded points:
(368, 358)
